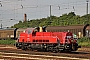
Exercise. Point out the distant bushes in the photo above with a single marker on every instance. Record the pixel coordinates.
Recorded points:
(64, 20)
(84, 41)
(7, 42)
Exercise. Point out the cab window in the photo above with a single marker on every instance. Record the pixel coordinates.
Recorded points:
(29, 31)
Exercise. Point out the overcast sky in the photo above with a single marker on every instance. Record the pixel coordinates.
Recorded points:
(15, 9)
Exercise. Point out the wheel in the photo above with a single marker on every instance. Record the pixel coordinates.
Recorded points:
(18, 47)
(23, 47)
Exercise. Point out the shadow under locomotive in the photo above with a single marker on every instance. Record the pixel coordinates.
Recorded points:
(77, 52)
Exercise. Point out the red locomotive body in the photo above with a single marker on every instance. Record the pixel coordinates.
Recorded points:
(48, 41)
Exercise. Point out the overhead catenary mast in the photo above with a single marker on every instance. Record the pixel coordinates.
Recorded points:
(1, 25)
(50, 12)
(50, 15)
(87, 10)
(87, 6)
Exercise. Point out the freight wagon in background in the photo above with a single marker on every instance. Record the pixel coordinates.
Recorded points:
(10, 33)
(78, 30)
(6, 33)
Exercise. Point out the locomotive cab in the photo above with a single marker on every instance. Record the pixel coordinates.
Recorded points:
(71, 42)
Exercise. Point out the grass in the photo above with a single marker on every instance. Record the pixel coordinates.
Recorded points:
(7, 42)
(84, 41)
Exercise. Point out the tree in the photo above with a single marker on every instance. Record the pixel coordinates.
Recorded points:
(66, 19)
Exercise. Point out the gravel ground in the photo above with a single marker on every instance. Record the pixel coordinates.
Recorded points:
(83, 52)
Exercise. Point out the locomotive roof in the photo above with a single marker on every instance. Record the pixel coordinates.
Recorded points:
(30, 28)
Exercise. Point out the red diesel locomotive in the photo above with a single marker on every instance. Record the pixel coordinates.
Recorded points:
(39, 39)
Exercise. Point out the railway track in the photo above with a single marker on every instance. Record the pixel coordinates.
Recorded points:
(13, 54)
(35, 57)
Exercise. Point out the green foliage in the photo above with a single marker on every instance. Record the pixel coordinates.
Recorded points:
(7, 42)
(66, 19)
(84, 41)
